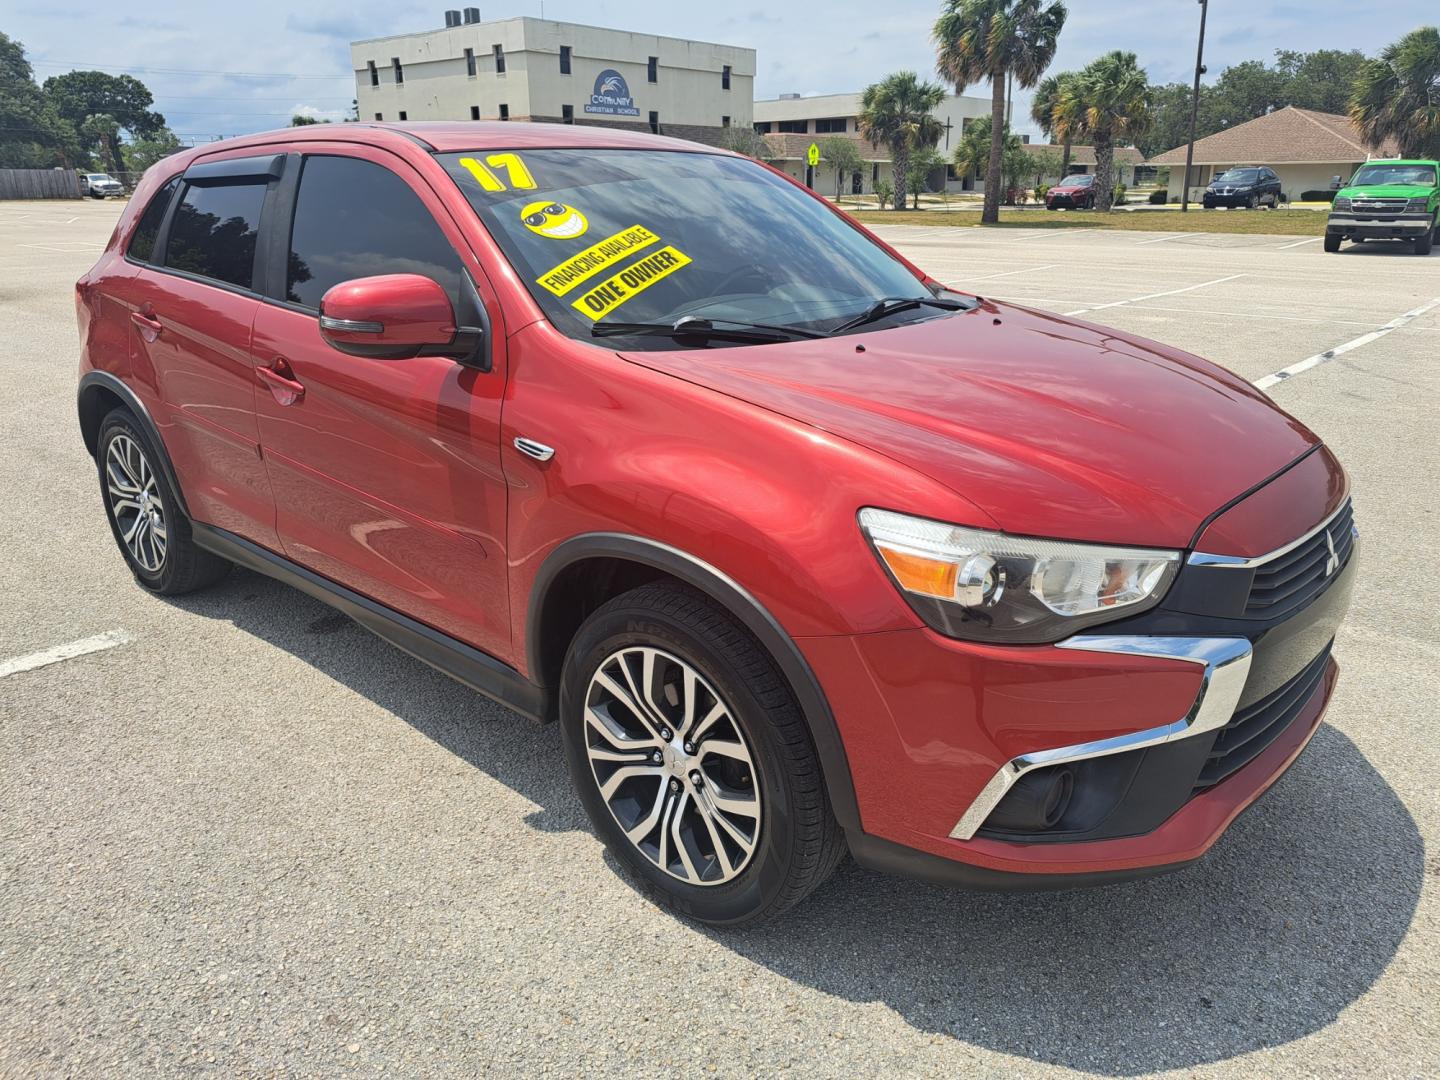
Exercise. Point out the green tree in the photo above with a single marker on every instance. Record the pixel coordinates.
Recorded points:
(972, 153)
(747, 141)
(1040, 164)
(1108, 102)
(1398, 95)
(843, 156)
(140, 153)
(994, 39)
(300, 120)
(101, 135)
(33, 135)
(80, 95)
(1319, 80)
(1042, 111)
(897, 111)
(923, 162)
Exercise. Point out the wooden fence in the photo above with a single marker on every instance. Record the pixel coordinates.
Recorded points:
(39, 184)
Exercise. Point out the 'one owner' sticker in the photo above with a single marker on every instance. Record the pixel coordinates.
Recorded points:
(630, 282)
(562, 278)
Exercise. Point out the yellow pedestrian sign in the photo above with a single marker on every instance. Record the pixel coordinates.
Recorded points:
(812, 156)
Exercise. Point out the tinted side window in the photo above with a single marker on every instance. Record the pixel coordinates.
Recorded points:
(356, 219)
(213, 232)
(142, 241)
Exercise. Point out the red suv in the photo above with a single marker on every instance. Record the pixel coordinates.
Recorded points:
(805, 552)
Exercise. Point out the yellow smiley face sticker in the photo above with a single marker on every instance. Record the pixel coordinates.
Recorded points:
(555, 220)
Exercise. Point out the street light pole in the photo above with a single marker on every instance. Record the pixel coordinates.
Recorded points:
(1194, 110)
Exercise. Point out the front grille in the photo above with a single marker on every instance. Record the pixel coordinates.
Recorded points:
(1292, 580)
(1381, 206)
(1256, 726)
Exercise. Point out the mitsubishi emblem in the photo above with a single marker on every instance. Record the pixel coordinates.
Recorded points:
(1333, 562)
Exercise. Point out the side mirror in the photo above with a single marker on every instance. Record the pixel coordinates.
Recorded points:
(388, 317)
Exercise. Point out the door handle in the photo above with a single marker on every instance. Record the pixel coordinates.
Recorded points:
(287, 390)
(149, 327)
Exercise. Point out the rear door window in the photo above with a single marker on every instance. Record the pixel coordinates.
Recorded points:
(353, 219)
(142, 241)
(214, 230)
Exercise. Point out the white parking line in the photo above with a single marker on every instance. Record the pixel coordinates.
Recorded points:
(1162, 239)
(84, 646)
(1153, 296)
(1297, 243)
(1330, 354)
(1007, 273)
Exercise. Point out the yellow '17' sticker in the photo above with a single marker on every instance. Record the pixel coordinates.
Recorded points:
(619, 288)
(563, 277)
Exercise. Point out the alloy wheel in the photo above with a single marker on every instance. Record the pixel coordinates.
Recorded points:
(135, 501)
(673, 765)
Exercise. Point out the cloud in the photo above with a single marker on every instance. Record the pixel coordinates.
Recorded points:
(314, 113)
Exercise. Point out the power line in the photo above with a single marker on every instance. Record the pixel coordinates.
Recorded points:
(76, 64)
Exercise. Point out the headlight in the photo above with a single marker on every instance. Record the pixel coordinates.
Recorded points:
(1420, 205)
(988, 586)
(1342, 204)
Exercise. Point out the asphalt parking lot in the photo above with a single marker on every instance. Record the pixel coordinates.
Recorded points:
(251, 839)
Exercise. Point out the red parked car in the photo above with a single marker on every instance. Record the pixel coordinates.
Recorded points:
(1072, 193)
(805, 552)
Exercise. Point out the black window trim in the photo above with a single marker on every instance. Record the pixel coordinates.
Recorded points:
(273, 168)
(162, 229)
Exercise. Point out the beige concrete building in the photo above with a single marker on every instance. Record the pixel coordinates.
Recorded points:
(791, 122)
(1308, 150)
(538, 69)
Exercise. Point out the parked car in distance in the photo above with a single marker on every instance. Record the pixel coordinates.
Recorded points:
(100, 185)
(1075, 192)
(1246, 186)
(804, 551)
(1388, 200)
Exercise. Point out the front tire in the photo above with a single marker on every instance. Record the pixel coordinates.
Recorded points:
(1332, 243)
(1424, 243)
(149, 527)
(693, 760)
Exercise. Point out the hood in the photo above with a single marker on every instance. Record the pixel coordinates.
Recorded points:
(1385, 191)
(1069, 189)
(1049, 426)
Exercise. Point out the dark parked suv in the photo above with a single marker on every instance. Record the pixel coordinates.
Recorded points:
(804, 551)
(1246, 185)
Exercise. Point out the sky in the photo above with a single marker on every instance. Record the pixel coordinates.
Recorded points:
(298, 60)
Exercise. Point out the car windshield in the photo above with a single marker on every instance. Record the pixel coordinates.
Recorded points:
(1238, 176)
(626, 236)
(98, 176)
(1078, 181)
(1374, 175)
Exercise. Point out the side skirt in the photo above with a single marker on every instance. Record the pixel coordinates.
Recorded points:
(464, 663)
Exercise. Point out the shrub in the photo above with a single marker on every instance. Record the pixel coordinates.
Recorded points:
(1317, 196)
(1159, 198)
(885, 191)
(1117, 197)
(1041, 190)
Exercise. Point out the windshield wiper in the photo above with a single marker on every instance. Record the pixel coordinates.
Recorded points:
(890, 305)
(695, 326)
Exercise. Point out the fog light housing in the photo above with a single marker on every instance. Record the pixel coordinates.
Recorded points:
(1037, 801)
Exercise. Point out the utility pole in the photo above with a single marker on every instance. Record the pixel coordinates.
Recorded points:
(1194, 110)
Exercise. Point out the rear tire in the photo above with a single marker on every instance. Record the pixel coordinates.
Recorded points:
(752, 756)
(1332, 243)
(149, 527)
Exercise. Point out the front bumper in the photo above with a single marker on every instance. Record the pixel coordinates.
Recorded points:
(937, 731)
(1064, 202)
(1211, 199)
(1378, 227)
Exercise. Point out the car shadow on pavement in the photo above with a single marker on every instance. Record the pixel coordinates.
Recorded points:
(1292, 917)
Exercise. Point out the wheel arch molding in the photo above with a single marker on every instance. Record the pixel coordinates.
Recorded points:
(733, 598)
(98, 394)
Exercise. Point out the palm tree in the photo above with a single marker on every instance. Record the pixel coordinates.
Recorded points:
(990, 39)
(1398, 95)
(1107, 102)
(897, 111)
(1042, 111)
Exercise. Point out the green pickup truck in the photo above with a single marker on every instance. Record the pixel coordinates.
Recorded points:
(1388, 200)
